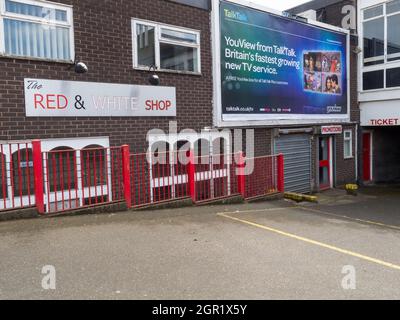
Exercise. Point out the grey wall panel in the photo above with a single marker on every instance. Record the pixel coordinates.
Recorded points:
(297, 153)
(202, 4)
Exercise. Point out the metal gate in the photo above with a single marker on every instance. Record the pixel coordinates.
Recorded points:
(297, 153)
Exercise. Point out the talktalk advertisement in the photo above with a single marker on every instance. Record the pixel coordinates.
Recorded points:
(273, 65)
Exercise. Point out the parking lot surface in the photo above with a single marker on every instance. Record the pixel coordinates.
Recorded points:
(344, 247)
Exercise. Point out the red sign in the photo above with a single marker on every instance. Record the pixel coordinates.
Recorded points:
(385, 122)
(158, 104)
(332, 130)
(50, 101)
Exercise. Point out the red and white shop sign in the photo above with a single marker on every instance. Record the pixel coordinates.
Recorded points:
(331, 130)
(56, 98)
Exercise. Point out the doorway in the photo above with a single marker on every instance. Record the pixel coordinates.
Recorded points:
(325, 163)
(296, 149)
(367, 152)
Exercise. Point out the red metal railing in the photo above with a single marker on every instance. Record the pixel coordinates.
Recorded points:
(158, 177)
(81, 178)
(61, 180)
(16, 176)
(263, 176)
(215, 177)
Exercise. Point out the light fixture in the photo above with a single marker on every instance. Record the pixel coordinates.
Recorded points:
(357, 50)
(79, 66)
(154, 79)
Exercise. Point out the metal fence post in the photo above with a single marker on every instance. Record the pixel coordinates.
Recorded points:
(192, 176)
(241, 174)
(126, 173)
(281, 173)
(38, 175)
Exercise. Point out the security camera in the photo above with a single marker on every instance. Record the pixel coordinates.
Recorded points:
(357, 50)
(80, 67)
(154, 80)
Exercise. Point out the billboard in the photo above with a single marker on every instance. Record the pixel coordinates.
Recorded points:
(277, 70)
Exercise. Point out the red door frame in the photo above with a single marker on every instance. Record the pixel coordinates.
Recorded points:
(326, 163)
(367, 152)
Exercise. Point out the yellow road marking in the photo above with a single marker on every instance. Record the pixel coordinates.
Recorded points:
(349, 218)
(317, 243)
(258, 210)
(320, 212)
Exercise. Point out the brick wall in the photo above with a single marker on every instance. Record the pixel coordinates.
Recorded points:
(333, 15)
(103, 41)
(345, 168)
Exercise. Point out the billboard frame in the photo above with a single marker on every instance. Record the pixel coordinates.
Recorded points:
(218, 120)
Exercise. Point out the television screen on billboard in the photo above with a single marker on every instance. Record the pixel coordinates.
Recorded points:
(274, 67)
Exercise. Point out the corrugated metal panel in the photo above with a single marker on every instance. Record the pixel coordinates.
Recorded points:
(202, 4)
(297, 152)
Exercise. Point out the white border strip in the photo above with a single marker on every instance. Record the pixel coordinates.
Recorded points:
(277, 120)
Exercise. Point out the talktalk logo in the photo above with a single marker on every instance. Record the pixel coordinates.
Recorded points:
(236, 15)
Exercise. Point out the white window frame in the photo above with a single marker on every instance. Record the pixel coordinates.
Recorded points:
(76, 144)
(158, 38)
(386, 64)
(21, 17)
(350, 140)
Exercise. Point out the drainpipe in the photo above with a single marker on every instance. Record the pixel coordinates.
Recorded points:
(357, 137)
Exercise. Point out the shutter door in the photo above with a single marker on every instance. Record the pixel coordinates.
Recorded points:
(297, 152)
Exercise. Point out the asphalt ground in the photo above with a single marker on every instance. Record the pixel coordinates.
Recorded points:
(266, 250)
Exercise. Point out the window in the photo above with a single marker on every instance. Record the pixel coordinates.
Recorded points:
(374, 41)
(381, 43)
(374, 35)
(373, 12)
(94, 166)
(393, 7)
(146, 45)
(393, 77)
(61, 169)
(3, 177)
(393, 37)
(181, 156)
(373, 80)
(22, 172)
(166, 47)
(348, 144)
(36, 29)
(377, 20)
